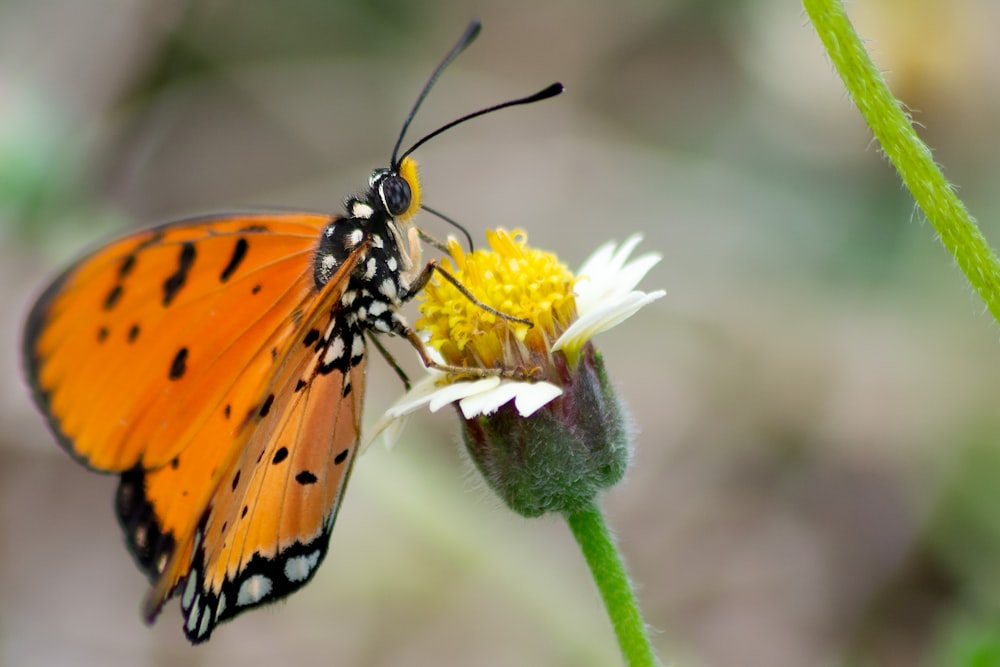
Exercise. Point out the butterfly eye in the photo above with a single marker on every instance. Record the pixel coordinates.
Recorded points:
(395, 194)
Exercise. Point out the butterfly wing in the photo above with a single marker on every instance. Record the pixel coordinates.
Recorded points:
(268, 521)
(115, 345)
(191, 357)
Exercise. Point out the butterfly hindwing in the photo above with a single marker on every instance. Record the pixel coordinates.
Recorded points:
(269, 522)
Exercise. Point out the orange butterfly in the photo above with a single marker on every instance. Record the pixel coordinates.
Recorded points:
(217, 365)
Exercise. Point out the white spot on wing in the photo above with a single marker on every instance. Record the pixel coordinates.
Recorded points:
(253, 590)
(334, 351)
(392, 263)
(377, 240)
(221, 607)
(377, 308)
(370, 267)
(356, 237)
(193, 616)
(189, 589)
(357, 346)
(388, 288)
(299, 567)
(206, 619)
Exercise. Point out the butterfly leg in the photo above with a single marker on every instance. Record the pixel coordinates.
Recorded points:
(472, 372)
(424, 277)
(391, 360)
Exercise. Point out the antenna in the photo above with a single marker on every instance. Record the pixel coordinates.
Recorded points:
(467, 38)
(550, 91)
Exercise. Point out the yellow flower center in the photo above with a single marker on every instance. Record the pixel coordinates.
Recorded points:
(512, 278)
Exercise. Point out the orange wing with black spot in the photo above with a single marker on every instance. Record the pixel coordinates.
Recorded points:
(202, 362)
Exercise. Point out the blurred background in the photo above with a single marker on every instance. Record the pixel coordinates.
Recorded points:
(817, 466)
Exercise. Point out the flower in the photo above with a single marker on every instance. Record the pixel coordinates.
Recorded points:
(566, 312)
(550, 441)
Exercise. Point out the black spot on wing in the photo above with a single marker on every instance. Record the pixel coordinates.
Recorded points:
(311, 337)
(125, 268)
(305, 478)
(179, 365)
(133, 333)
(239, 254)
(236, 480)
(173, 284)
(255, 229)
(280, 455)
(255, 290)
(113, 297)
(266, 408)
(341, 457)
(102, 334)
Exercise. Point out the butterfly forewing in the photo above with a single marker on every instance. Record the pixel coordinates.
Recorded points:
(133, 351)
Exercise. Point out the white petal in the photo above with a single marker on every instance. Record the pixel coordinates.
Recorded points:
(601, 319)
(392, 421)
(528, 398)
(621, 256)
(601, 289)
(460, 390)
(426, 392)
(421, 393)
(534, 396)
(391, 430)
(634, 271)
(598, 260)
(608, 275)
(490, 401)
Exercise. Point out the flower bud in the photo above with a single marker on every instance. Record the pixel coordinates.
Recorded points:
(563, 455)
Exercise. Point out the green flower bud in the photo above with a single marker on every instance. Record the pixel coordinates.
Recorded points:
(562, 456)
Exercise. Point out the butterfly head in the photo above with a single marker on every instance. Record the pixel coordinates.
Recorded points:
(397, 190)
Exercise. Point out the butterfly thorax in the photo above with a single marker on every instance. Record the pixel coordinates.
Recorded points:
(372, 297)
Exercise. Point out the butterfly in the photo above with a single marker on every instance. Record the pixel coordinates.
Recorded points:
(217, 365)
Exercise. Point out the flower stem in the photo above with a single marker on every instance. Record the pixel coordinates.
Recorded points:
(608, 570)
(911, 157)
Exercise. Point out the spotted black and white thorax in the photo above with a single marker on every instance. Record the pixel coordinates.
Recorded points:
(381, 280)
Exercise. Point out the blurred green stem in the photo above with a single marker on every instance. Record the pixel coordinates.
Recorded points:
(608, 570)
(911, 157)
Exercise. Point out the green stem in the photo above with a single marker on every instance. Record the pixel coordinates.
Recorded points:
(911, 157)
(609, 574)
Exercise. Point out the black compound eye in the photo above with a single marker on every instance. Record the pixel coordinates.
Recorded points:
(395, 193)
